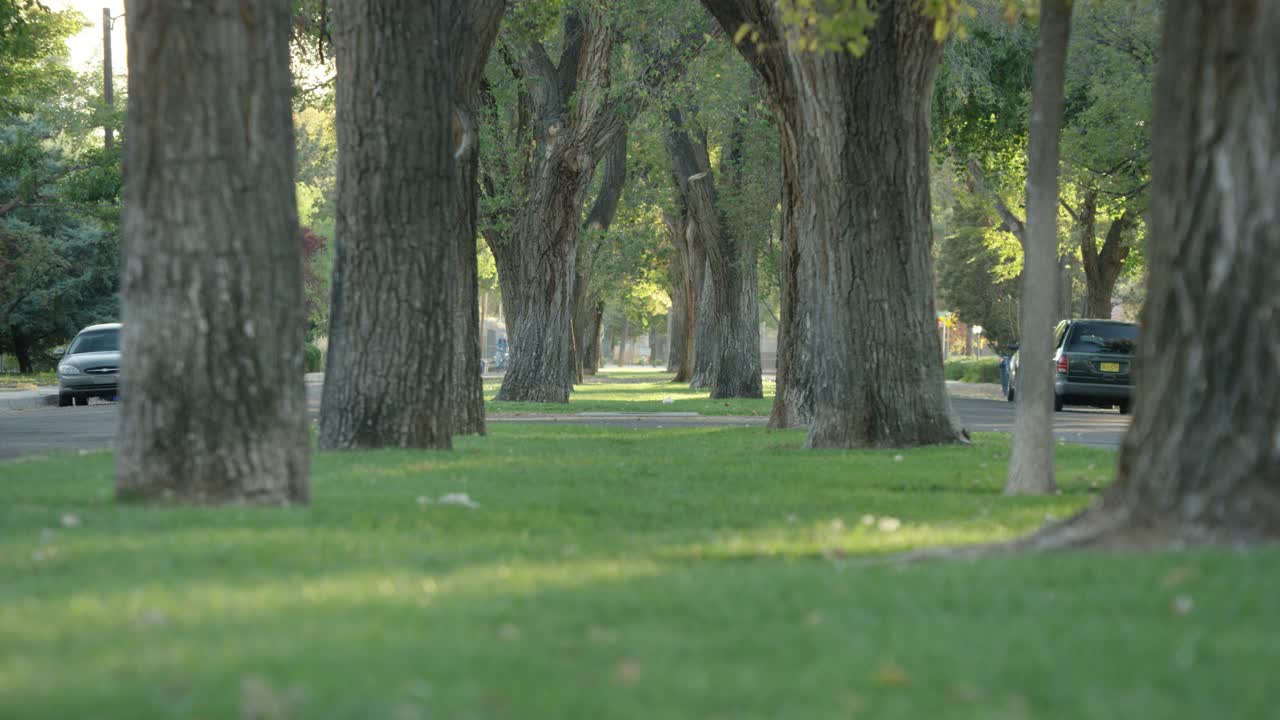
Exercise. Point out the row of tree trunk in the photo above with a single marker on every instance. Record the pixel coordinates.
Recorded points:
(211, 294)
(713, 273)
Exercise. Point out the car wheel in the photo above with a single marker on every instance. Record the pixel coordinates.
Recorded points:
(1010, 395)
(1126, 407)
(1057, 403)
(81, 401)
(64, 400)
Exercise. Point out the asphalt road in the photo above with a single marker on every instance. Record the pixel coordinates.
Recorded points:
(38, 431)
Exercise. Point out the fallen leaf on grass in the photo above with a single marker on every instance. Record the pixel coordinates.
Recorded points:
(1177, 576)
(627, 672)
(891, 674)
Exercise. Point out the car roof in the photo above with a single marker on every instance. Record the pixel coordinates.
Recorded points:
(102, 326)
(1107, 321)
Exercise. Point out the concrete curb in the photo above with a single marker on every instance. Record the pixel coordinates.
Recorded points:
(29, 399)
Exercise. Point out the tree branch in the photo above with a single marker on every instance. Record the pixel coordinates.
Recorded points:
(978, 184)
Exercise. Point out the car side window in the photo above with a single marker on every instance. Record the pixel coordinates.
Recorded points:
(1059, 335)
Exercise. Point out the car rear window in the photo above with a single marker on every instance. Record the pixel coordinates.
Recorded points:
(97, 341)
(1117, 338)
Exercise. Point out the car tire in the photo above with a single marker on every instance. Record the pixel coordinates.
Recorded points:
(64, 400)
(1057, 403)
(80, 401)
(1126, 407)
(1010, 395)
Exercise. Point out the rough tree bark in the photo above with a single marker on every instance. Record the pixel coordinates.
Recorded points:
(731, 267)
(857, 132)
(211, 291)
(475, 30)
(706, 353)
(1201, 462)
(727, 345)
(1102, 267)
(793, 398)
(21, 350)
(684, 304)
(586, 328)
(574, 123)
(1031, 463)
(395, 269)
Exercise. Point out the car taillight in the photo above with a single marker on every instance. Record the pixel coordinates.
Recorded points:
(1062, 365)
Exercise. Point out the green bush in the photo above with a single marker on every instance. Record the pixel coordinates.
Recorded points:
(315, 358)
(974, 370)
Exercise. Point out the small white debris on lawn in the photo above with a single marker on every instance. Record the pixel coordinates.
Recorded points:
(424, 500)
(668, 400)
(889, 524)
(70, 520)
(1183, 604)
(462, 499)
(868, 519)
(897, 458)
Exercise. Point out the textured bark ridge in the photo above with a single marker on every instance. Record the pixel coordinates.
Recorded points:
(211, 294)
(1031, 462)
(574, 124)
(475, 30)
(1201, 462)
(395, 271)
(1101, 266)
(727, 345)
(793, 399)
(855, 135)
(587, 310)
(685, 273)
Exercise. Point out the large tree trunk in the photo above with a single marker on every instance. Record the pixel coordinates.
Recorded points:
(859, 127)
(727, 345)
(211, 292)
(794, 379)
(1102, 268)
(706, 352)
(612, 182)
(21, 350)
(1065, 292)
(591, 351)
(1031, 464)
(731, 267)
(391, 339)
(684, 304)
(476, 28)
(575, 125)
(1201, 462)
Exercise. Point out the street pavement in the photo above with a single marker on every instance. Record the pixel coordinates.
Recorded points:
(49, 429)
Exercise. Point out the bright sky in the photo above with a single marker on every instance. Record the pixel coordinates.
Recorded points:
(86, 47)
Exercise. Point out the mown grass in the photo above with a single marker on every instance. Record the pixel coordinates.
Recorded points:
(16, 381)
(615, 573)
(635, 391)
(973, 370)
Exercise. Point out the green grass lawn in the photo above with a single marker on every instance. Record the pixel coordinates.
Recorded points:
(615, 573)
(635, 391)
(15, 381)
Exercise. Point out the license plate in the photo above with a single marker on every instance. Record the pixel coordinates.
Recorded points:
(1109, 367)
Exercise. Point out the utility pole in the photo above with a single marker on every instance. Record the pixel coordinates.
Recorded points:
(107, 94)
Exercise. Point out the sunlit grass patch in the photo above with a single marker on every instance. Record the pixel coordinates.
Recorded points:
(691, 573)
(637, 391)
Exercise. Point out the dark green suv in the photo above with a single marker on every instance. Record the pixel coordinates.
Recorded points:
(1093, 360)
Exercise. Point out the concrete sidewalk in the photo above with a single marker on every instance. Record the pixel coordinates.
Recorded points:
(975, 391)
(43, 396)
